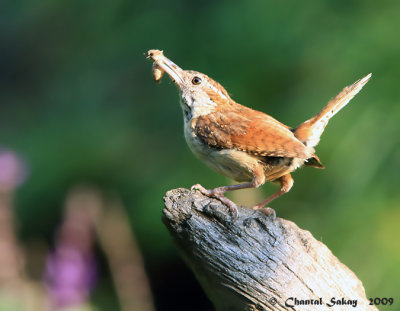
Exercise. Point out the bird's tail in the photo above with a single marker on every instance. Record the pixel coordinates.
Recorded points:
(311, 130)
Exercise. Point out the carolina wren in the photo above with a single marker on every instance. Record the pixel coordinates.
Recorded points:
(241, 143)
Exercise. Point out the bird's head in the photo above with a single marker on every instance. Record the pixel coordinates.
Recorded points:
(199, 94)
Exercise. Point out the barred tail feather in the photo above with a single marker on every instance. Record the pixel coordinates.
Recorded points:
(311, 130)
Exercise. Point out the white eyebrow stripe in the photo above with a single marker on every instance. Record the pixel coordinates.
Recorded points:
(216, 90)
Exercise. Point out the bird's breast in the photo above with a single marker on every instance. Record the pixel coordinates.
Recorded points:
(232, 163)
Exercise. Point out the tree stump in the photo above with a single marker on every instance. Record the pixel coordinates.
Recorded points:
(257, 262)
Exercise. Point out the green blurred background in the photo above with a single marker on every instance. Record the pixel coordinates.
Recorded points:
(78, 102)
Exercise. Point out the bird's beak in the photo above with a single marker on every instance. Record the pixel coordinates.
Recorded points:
(163, 63)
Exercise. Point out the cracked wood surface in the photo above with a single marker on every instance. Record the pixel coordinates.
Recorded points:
(256, 262)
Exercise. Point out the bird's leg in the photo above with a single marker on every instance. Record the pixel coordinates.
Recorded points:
(286, 182)
(258, 180)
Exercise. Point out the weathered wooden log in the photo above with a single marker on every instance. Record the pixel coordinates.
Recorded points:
(258, 262)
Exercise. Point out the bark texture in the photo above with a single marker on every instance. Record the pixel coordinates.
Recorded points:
(257, 262)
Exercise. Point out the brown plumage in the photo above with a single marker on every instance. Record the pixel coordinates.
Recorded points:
(254, 132)
(244, 144)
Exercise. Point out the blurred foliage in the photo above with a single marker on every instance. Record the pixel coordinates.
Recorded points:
(78, 102)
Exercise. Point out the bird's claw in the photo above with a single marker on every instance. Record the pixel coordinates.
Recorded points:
(200, 188)
(266, 210)
(218, 195)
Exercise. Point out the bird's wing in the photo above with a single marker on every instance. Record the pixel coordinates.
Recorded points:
(249, 130)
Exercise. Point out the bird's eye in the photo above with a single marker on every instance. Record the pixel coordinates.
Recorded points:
(196, 80)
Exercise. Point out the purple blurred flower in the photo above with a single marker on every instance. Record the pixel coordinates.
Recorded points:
(70, 276)
(13, 170)
(71, 269)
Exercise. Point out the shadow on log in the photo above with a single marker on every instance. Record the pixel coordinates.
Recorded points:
(257, 262)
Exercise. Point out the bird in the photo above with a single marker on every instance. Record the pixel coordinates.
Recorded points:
(241, 143)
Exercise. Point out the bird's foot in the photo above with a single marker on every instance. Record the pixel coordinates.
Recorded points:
(201, 189)
(218, 194)
(266, 210)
